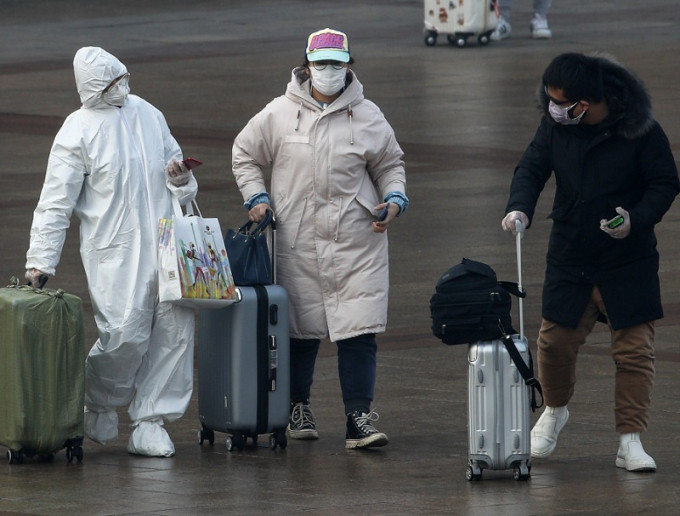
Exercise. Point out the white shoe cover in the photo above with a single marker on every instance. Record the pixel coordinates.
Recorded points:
(547, 428)
(632, 456)
(150, 438)
(101, 427)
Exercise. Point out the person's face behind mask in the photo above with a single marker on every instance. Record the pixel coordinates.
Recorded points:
(560, 114)
(328, 78)
(117, 92)
(561, 110)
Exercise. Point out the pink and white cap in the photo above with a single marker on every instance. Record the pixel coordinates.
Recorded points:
(327, 44)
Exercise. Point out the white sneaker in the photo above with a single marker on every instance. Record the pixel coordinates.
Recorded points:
(101, 427)
(150, 438)
(502, 31)
(539, 27)
(632, 456)
(547, 428)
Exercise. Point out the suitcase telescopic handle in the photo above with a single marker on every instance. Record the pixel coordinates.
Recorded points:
(273, 228)
(519, 230)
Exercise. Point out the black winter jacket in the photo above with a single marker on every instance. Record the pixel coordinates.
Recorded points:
(625, 161)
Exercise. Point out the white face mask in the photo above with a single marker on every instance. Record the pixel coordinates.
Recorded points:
(328, 81)
(117, 94)
(560, 114)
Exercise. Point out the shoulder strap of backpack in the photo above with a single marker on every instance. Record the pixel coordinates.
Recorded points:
(527, 371)
(513, 288)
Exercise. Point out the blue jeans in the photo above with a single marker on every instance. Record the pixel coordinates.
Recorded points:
(356, 370)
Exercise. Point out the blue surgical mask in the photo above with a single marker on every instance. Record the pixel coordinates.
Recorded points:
(560, 114)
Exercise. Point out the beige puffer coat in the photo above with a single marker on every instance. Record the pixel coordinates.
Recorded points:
(329, 169)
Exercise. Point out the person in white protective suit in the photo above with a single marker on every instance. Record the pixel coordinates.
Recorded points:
(115, 165)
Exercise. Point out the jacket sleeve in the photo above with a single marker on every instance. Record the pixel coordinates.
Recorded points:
(531, 174)
(250, 156)
(386, 164)
(661, 179)
(66, 172)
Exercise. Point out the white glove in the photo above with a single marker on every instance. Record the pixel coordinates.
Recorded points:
(33, 276)
(508, 223)
(177, 172)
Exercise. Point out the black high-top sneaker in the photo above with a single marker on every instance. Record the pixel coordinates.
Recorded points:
(301, 424)
(360, 431)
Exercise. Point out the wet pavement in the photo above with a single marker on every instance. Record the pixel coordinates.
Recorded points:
(463, 117)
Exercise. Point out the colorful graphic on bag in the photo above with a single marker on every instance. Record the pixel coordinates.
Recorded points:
(202, 264)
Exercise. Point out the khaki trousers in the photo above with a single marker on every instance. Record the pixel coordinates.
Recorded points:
(633, 353)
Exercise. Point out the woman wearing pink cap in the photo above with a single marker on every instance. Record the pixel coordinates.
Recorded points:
(337, 183)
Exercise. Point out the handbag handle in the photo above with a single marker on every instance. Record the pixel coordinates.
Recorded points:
(267, 220)
(261, 226)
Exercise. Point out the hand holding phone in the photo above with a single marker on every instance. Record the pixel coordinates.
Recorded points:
(383, 214)
(192, 163)
(615, 222)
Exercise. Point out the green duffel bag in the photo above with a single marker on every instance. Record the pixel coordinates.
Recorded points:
(42, 372)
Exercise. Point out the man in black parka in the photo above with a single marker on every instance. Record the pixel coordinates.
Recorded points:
(610, 158)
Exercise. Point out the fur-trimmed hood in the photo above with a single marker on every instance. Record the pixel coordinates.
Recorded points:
(629, 103)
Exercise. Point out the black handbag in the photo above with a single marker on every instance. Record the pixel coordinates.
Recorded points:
(248, 252)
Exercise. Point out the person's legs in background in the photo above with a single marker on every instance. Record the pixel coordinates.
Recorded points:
(503, 30)
(539, 22)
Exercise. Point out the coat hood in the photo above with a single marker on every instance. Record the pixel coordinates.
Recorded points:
(94, 69)
(629, 103)
(299, 90)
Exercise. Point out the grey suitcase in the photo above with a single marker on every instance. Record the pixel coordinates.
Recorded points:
(498, 410)
(500, 399)
(244, 368)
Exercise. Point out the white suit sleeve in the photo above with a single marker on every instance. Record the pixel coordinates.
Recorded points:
(188, 191)
(184, 193)
(52, 217)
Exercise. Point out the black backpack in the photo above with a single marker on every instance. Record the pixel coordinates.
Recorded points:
(470, 304)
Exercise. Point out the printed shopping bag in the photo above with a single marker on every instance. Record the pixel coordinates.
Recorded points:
(194, 269)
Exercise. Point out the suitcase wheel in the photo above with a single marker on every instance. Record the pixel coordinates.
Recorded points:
(206, 434)
(431, 38)
(237, 441)
(15, 457)
(473, 472)
(522, 472)
(278, 438)
(74, 452)
(459, 40)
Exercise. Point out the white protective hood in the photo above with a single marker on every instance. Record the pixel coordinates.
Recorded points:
(94, 69)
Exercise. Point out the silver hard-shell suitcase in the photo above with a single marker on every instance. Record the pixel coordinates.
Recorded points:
(498, 410)
(499, 403)
(244, 368)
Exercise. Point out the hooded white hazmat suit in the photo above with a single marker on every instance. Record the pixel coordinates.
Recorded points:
(107, 166)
